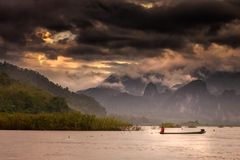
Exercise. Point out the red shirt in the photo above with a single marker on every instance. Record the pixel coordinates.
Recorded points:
(162, 130)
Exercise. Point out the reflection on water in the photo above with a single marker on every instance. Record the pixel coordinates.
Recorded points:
(223, 143)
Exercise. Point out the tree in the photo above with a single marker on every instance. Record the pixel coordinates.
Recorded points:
(57, 104)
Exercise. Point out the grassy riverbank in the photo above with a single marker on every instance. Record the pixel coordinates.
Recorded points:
(59, 121)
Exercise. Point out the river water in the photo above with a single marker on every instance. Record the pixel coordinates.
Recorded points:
(217, 143)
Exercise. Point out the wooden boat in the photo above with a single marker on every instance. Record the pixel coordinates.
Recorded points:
(202, 131)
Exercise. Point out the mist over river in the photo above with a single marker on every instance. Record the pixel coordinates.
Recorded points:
(217, 143)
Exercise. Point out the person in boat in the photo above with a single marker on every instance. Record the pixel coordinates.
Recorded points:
(162, 130)
(203, 131)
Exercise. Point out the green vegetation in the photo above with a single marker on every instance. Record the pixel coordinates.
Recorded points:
(18, 97)
(59, 121)
(170, 125)
(24, 107)
(77, 102)
(191, 124)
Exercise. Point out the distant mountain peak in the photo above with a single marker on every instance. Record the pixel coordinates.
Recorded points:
(218, 82)
(194, 87)
(126, 83)
(112, 79)
(150, 90)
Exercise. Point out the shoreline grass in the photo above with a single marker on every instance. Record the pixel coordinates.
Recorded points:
(69, 121)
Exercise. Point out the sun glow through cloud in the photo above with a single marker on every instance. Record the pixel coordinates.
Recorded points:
(41, 58)
(74, 70)
(147, 5)
(52, 37)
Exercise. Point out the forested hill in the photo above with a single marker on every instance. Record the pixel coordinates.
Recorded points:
(77, 102)
(18, 97)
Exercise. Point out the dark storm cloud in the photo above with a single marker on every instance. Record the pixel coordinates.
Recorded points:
(187, 19)
(102, 25)
(231, 40)
(119, 38)
(179, 19)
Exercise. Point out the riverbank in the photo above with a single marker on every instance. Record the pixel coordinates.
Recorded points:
(74, 121)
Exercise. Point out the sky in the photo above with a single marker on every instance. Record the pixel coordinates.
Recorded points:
(78, 43)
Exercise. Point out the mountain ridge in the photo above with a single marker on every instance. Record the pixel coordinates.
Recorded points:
(190, 101)
(79, 102)
(19, 97)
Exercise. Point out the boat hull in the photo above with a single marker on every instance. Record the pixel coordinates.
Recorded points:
(201, 132)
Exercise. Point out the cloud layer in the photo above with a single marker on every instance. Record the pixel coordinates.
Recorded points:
(170, 37)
